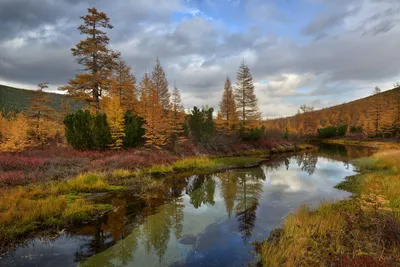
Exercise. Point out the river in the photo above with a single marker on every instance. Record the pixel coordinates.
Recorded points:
(198, 220)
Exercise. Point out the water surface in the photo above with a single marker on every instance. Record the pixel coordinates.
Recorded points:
(200, 220)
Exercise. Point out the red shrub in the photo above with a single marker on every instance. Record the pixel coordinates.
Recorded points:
(132, 160)
(13, 178)
(16, 162)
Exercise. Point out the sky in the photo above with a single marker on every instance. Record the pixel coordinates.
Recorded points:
(316, 52)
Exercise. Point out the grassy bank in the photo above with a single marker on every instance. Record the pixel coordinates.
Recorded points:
(204, 163)
(24, 209)
(380, 145)
(362, 231)
(42, 205)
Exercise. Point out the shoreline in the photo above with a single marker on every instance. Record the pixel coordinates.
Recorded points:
(364, 229)
(74, 196)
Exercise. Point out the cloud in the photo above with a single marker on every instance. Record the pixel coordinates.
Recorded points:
(289, 68)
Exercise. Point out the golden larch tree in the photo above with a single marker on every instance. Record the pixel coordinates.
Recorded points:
(14, 134)
(97, 58)
(115, 119)
(146, 86)
(161, 84)
(40, 114)
(177, 118)
(123, 85)
(227, 114)
(151, 109)
(246, 100)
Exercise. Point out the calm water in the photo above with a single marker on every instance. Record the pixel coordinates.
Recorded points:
(201, 220)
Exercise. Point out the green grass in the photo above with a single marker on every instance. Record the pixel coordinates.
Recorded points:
(364, 230)
(189, 165)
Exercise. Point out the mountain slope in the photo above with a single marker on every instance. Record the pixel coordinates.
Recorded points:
(374, 115)
(14, 99)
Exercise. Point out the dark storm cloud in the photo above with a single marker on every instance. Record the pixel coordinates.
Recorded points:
(198, 53)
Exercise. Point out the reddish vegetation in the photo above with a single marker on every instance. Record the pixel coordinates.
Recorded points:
(362, 260)
(53, 163)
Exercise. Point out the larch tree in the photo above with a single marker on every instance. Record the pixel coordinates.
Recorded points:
(161, 84)
(246, 100)
(227, 107)
(39, 113)
(151, 110)
(97, 58)
(177, 117)
(146, 86)
(14, 136)
(376, 110)
(124, 86)
(115, 119)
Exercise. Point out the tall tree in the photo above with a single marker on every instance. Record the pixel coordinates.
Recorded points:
(96, 57)
(227, 107)
(116, 120)
(156, 123)
(161, 84)
(247, 105)
(124, 86)
(177, 117)
(376, 109)
(39, 112)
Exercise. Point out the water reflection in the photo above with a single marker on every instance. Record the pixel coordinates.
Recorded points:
(201, 190)
(201, 220)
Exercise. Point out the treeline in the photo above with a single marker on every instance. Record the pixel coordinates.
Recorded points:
(374, 116)
(121, 112)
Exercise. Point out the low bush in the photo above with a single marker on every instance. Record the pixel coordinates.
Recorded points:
(332, 131)
(85, 131)
(252, 134)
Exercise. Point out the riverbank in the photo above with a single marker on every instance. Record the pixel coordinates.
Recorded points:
(373, 143)
(361, 231)
(30, 206)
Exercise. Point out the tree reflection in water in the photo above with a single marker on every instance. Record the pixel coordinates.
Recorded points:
(248, 195)
(201, 190)
(159, 222)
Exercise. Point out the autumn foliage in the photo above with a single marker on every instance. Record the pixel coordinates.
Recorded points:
(374, 116)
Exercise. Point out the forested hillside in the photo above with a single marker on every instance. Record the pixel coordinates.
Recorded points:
(376, 115)
(14, 99)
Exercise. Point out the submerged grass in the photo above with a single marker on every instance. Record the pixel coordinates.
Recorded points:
(363, 231)
(27, 208)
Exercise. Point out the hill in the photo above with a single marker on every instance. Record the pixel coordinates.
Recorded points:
(376, 115)
(14, 99)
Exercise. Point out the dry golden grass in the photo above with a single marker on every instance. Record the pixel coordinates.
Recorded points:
(368, 225)
(23, 209)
